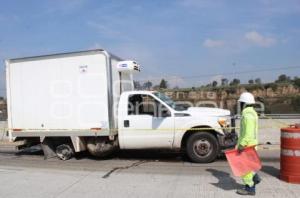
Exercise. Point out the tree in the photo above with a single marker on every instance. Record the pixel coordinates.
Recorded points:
(251, 81)
(224, 81)
(155, 87)
(235, 82)
(297, 81)
(283, 78)
(257, 81)
(296, 103)
(137, 85)
(214, 83)
(147, 85)
(163, 84)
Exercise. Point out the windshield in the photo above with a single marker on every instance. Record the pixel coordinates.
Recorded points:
(166, 99)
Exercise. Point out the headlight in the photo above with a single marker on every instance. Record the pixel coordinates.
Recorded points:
(224, 122)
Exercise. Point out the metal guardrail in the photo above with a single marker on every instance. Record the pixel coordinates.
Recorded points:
(280, 116)
(272, 117)
(275, 116)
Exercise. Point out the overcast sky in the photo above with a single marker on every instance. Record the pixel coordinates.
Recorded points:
(170, 38)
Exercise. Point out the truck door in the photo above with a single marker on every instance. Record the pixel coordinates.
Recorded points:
(147, 124)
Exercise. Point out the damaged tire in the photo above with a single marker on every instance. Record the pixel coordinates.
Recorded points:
(64, 152)
(101, 147)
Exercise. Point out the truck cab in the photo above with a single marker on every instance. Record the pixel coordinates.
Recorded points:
(151, 120)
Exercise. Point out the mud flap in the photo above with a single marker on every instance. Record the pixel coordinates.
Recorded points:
(48, 149)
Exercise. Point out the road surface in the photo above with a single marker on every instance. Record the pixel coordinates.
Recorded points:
(132, 174)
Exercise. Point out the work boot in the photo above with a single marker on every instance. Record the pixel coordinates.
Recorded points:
(256, 179)
(246, 191)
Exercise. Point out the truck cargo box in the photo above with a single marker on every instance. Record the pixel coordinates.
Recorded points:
(64, 94)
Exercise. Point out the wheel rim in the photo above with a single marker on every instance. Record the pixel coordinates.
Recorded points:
(202, 148)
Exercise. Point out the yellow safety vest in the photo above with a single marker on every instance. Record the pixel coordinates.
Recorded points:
(248, 128)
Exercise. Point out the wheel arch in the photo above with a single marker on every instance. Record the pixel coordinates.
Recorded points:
(201, 128)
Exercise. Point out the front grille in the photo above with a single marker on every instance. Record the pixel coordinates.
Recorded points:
(233, 124)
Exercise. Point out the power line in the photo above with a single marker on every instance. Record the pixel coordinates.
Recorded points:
(226, 74)
(222, 74)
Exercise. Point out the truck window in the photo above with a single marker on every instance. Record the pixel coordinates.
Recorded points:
(139, 104)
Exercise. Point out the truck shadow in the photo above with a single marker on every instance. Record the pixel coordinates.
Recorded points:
(157, 155)
(225, 181)
(148, 155)
(152, 155)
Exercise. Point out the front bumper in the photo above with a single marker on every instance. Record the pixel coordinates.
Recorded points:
(230, 137)
(229, 140)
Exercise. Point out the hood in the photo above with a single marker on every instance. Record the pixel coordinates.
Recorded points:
(207, 111)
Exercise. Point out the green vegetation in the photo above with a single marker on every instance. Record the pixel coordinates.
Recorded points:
(163, 84)
(273, 86)
(235, 82)
(257, 84)
(297, 82)
(147, 85)
(296, 103)
(225, 84)
(283, 79)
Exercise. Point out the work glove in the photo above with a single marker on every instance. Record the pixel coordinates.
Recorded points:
(240, 148)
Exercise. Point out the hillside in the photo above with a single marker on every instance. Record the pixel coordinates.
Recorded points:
(276, 98)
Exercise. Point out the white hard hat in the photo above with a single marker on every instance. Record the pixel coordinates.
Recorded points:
(247, 98)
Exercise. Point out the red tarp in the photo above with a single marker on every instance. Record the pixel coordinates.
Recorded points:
(244, 162)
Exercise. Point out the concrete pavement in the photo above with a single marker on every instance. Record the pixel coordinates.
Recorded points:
(136, 174)
(132, 174)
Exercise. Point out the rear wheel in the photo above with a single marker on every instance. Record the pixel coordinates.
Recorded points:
(64, 152)
(202, 147)
(100, 147)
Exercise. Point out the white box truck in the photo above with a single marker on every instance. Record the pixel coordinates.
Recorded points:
(72, 102)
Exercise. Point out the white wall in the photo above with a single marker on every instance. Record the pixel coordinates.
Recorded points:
(269, 129)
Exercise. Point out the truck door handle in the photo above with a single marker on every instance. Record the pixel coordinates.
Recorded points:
(126, 123)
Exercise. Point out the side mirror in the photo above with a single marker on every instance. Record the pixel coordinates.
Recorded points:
(165, 113)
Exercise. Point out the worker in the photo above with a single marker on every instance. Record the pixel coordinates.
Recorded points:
(248, 137)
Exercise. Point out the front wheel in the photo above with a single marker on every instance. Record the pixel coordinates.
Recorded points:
(202, 147)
